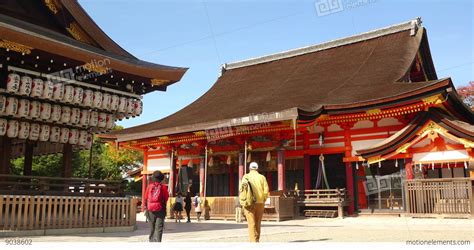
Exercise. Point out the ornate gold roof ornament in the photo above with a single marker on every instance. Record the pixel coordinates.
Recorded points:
(373, 111)
(158, 82)
(53, 6)
(375, 159)
(436, 99)
(13, 46)
(163, 138)
(75, 30)
(200, 133)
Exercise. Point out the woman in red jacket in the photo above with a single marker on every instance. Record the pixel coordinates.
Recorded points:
(156, 197)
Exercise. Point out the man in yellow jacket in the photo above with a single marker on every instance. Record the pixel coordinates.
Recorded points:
(254, 214)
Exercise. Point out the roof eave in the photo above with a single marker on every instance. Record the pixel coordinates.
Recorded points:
(285, 115)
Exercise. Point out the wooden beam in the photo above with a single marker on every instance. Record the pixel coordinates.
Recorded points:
(5, 154)
(28, 164)
(67, 160)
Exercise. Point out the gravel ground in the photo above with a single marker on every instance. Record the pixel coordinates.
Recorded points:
(352, 229)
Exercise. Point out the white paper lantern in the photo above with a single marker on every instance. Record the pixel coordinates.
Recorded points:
(56, 113)
(3, 104)
(120, 116)
(138, 108)
(97, 100)
(102, 120)
(23, 108)
(45, 111)
(65, 114)
(35, 129)
(24, 131)
(110, 121)
(106, 99)
(58, 91)
(64, 136)
(12, 128)
(3, 127)
(11, 107)
(88, 98)
(48, 90)
(68, 94)
(55, 135)
(78, 95)
(13, 83)
(89, 141)
(94, 119)
(25, 85)
(37, 88)
(122, 105)
(83, 138)
(85, 117)
(114, 103)
(73, 136)
(130, 106)
(75, 116)
(35, 110)
(45, 132)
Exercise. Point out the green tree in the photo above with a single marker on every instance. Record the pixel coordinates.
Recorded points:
(108, 162)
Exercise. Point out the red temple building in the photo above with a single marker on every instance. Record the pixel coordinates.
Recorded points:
(366, 114)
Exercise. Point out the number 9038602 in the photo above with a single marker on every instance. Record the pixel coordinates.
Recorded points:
(18, 242)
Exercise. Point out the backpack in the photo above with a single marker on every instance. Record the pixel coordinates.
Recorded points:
(196, 201)
(246, 197)
(155, 199)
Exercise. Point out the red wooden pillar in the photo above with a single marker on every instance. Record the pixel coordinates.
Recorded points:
(241, 166)
(202, 180)
(349, 170)
(281, 170)
(307, 163)
(360, 188)
(409, 169)
(231, 181)
(144, 177)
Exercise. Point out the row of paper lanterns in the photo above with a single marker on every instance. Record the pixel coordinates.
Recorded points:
(43, 132)
(34, 110)
(75, 95)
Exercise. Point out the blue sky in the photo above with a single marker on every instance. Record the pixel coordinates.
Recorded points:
(202, 35)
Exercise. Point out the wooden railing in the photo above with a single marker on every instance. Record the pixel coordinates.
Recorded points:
(60, 212)
(279, 208)
(321, 198)
(439, 196)
(36, 185)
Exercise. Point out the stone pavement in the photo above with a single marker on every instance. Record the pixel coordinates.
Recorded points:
(351, 229)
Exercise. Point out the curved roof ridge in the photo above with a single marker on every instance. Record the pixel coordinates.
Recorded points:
(411, 25)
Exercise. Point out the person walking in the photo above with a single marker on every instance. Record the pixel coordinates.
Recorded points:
(257, 184)
(178, 207)
(156, 197)
(187, 206)
(238, 210)
(197, 206)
